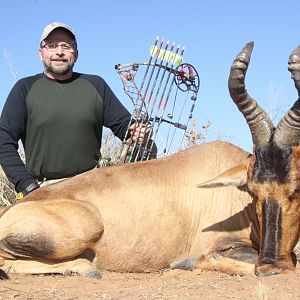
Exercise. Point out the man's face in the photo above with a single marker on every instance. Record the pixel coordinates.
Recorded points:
(58, 53)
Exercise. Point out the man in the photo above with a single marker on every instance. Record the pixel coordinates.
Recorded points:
(59, 116)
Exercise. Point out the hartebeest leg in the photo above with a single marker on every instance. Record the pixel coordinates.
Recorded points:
(231, 260)
(219, 263)
(79, 266)
(48, 236)
(215, 262)
(3, 274)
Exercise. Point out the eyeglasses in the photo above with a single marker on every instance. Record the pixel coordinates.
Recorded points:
(64, 46)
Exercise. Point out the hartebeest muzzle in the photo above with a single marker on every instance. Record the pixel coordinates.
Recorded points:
(274, 172)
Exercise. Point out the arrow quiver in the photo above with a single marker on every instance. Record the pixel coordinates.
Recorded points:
(163, 99)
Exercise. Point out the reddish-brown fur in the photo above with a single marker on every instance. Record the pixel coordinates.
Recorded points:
(146, 215)
(214, 206)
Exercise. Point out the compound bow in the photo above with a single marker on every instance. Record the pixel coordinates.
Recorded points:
(151, 99)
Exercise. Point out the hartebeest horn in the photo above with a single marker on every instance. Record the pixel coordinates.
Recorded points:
(287, 132)
(260, 124)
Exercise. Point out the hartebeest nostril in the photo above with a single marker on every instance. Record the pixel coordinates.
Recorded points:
(267, 270)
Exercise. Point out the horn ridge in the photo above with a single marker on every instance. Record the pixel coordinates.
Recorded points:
(287, 132)
(294, 68)
(261, 126)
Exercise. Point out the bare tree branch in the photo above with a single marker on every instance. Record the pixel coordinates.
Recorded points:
(9, 65)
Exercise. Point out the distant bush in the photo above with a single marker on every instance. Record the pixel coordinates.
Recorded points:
(193, 136)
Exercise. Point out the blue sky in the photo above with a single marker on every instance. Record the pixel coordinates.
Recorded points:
(213, 32)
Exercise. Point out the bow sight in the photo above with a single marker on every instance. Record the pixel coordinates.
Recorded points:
(155, 101)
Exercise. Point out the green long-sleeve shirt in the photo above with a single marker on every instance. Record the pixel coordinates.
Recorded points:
(60, 124)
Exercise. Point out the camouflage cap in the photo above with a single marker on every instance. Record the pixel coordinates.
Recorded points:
(50, 27)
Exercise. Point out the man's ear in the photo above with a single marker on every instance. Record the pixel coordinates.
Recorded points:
(76, 53)
(40, 54)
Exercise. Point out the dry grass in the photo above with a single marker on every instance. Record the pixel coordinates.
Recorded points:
(262, 290)
(194, 136)
(110, 149)
(297, 251)
(7, 191)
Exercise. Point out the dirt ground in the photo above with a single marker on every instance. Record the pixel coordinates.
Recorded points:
(175, 284)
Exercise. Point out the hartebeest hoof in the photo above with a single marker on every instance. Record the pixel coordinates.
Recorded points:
(93, 274)
(185, 264)
(3, 275)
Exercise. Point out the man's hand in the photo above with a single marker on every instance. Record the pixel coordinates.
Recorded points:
(140, 132)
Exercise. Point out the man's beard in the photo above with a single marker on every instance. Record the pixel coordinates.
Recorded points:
(62, 70)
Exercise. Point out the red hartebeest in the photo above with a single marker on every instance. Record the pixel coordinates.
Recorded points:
(147, 216)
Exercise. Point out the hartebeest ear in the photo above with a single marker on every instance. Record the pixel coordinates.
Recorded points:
(236, 176)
